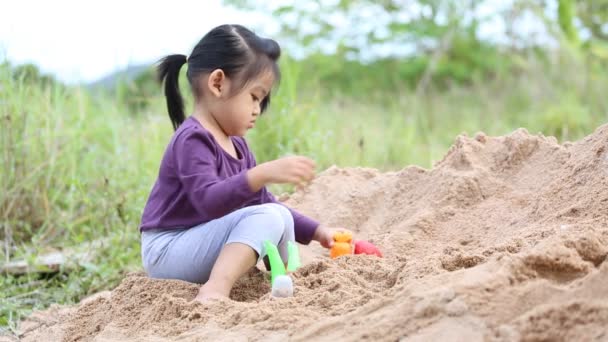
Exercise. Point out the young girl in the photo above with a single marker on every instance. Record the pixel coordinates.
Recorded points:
(209, 211)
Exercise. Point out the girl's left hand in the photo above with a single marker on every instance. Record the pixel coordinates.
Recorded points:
(325, 235)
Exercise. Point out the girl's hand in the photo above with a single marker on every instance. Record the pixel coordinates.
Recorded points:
(325, 235)
(295, 170)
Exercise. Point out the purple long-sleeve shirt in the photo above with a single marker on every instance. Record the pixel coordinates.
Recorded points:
(199, 181)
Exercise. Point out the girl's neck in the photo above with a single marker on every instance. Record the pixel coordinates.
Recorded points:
(206, 119)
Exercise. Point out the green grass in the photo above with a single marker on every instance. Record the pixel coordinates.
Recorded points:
(389, 129)
(78, 166)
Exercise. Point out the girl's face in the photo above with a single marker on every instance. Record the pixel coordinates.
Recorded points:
(237, 113)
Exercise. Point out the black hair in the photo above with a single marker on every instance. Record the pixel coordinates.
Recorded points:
(236, 50)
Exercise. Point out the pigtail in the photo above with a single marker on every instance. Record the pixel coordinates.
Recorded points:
(236, 50)
(168, 72)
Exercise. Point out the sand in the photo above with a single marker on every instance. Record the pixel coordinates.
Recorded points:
(505, 239)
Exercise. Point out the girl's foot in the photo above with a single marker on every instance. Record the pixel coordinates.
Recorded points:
(206, 294)
(209, 297)
(234, 261)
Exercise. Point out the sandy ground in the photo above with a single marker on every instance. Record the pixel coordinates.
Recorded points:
(503, 240)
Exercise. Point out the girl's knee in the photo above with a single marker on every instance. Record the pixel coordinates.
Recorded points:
(285, 214)
(272, 224)
(288, 233)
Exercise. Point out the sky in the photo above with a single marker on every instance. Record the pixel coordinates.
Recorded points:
(82, 41)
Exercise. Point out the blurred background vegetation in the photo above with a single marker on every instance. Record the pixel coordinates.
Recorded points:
(365, 83)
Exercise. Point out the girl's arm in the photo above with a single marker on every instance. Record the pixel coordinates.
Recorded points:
(304, 227)
(195, 156)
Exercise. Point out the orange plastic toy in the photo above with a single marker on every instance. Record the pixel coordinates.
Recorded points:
(339, 249)
(343, 237)
(342, 245)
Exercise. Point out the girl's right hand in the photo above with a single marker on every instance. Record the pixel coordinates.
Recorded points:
(296, 170)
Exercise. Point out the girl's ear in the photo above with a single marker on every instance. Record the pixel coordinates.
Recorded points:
(217, 82)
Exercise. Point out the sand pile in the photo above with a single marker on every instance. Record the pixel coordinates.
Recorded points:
(503, 240)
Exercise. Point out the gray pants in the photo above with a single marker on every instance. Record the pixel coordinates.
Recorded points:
(189, 254)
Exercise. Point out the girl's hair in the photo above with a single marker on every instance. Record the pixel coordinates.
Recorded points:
(239, 52)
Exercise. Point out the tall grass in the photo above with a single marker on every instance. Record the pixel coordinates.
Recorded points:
(391, 128)
(77, 166)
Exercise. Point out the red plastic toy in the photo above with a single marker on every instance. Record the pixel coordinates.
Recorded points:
(366, 247)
